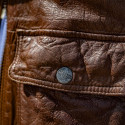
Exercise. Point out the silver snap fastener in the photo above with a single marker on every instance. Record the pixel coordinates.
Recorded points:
(64, 75)
(29, 39)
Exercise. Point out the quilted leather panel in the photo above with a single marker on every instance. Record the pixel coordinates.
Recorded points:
(97, 65)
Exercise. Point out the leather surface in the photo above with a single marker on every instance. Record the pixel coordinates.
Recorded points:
(95, 56)
(97, 65)
(47, 107)
(44, 35)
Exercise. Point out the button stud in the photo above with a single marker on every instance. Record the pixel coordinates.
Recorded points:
(29, 39)
(64, 75)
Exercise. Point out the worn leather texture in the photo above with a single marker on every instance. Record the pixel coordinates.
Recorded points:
(43, 36)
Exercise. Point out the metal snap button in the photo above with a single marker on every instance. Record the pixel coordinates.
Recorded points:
(64, 75)
(29, 39)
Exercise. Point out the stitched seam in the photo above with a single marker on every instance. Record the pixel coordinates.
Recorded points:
(72, 34)
(76, 91)
(30, 83)
(40, 81)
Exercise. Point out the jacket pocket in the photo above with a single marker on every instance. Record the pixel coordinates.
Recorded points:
(70, 61)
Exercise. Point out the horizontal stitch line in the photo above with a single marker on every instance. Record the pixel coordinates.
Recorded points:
(71, 34)
(108, 90)
(73, 91)
(21, 78)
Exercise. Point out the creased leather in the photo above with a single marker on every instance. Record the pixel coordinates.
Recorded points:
(44, 35)
(97, 65)
(59, 108)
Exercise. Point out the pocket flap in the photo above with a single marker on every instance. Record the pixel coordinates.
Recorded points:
(70, 61)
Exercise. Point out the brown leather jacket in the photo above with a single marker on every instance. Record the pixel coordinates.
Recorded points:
(64, 63)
